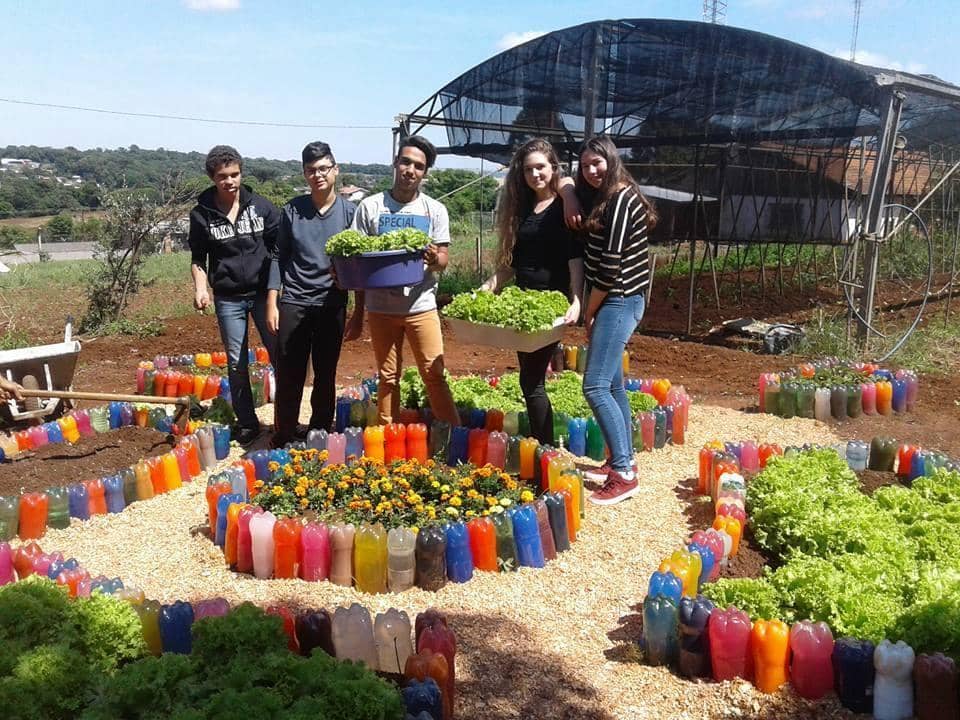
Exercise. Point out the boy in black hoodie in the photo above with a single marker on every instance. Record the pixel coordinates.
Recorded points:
(233, 232)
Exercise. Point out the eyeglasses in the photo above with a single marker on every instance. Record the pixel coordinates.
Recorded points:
(319, 170)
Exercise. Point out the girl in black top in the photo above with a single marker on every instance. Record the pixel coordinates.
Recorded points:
(539, 253)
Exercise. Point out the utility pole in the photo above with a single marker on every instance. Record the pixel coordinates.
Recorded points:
(715, 11)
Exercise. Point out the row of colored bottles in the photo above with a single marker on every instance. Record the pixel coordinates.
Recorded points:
(258, 355)
(376, 560)
(574, 357)
(173, 383)
(801, 398)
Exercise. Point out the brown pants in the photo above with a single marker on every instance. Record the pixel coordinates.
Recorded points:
(426, 341)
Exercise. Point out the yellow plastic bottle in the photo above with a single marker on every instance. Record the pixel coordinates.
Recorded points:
(528, 452)
(555, 467)
(370, 558)
(171, 472)
(144, 486)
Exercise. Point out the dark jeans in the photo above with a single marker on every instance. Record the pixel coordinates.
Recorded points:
(613, 325)
(232, 317)
(533, 374)
(307, 330)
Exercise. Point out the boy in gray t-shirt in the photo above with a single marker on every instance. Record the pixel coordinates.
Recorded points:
(407, 312)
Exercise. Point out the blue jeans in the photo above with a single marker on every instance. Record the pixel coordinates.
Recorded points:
(613, 325)
(232, 314)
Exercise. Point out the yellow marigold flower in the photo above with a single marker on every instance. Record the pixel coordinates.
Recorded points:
(258, 484)
(273, 466)
(343, 485)
(452, 512)
(496, 509)
(456, 502)
(466, 482)
(288, 470)
(415, 529)
(491, 500)
(510, 484)
(435, 484)
(277, 490)
(322, 456)
(303, 479)
(304, 502)
(485, 471)
(504, 477)
(470, 513)
(526, 496)
(420, 508)
(445, 488)
(300, 491)
(330, 494)
(506, 502)
(431, 511)
(386, 487)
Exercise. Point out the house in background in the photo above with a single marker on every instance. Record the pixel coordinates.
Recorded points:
(353, 193)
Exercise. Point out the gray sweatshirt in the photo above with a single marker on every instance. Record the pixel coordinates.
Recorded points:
(300, 264)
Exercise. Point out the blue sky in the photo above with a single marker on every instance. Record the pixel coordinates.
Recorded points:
(296, 61)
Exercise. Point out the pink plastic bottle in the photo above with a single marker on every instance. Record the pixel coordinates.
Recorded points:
(6, 564)
(729, 633)
(811, 670)
(497, 449)
(261, 532)
(83, 423)
(245, 539)
(336, 449)
(749, 459)
(38, 436)
(647, 427)
(315, 541)
(868, 398)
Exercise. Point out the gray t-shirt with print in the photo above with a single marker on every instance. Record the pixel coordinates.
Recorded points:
(380, 213)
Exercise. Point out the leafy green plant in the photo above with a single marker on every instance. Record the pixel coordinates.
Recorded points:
(353, 242)
(523, 310)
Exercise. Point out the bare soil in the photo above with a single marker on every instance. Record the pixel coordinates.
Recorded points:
(62, 464)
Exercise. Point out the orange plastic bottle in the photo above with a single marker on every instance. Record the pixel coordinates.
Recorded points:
(159, 382)
(184, 384)
(144, 487)
(140, 416)
(193, 458)
(211, 387)
(156, 474)
(440, 638)
(263, 357)
(172, 386)
(171, 472)
(219, 358)
(213, 494)
(494, 420)
(286, 548)
(373, 443)
(528, 450)
(395, 442)
(33, 515)
(884, 397)
(483, 544)
(417, 442)
(230, 539)
(732, 527)
(770, 644)
(250, 472)
(661, 386)
(24, 442)
(97, 497)
(422, 665)
(198, 382)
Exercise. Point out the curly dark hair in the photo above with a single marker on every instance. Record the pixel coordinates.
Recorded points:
(221, 155)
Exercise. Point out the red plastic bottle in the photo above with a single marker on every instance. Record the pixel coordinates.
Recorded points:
(494, 421)
(97, 497)
(395, 442)
(289, 625)
(440, 639)
(729, 633)
(184, 384)
(33, 515)
(286, 548)
(23, 559)
(417, 442)
(766, 451)
(483, 544)
(477, 446)
(211, 387)
(811, 669)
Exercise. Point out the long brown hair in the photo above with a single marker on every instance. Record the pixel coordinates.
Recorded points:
(516, 197)
(616, 177)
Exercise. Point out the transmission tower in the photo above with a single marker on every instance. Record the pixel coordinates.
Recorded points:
(856, 29)
(715, 11)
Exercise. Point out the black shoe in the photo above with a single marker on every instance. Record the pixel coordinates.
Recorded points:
(278, 441)
(247, 436)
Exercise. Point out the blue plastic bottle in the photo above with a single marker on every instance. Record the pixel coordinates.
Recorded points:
(457, 451)
(557, 512)
(343, 414)
(853, 673)
(526, 534)
(420, 697)
(279, 456)
(458, 557)
(693, 614)
(478, 418)
(659, 427)
(665, 584)
(79, 501)
(917, 464)
(164, 423)
(113, 490)
(238, 481)
(54, 432)
(225, 389)
(55, 567)
(126, 414)
(175, 623)
(659, 630)
(223, 504)
(260, 459)
(707, 560)
(114, 415)
(577, 430)
(354, 441)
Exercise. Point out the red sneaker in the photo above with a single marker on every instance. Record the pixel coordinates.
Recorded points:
(616, 489)
(599, 474)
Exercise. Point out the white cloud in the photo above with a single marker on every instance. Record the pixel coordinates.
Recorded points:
(212, 5)
(512, 39)
(865, 57)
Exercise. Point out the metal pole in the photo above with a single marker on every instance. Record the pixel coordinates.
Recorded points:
(886, 140)
(590, 109)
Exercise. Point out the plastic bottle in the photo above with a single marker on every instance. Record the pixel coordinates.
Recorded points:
(811, 669)
(770, 643)
(457, 555)
(315, 550)
(458, 447)
(659, 630)
(431, 558)
(370, 558)
(733, 529)
(935, 679)
(729, 635)
(884, 397)
(401, 559)
(289, 625)
(416, 442)
(438, 637)
(58, 508)
(883, 452)
(425, 665)
(353, 635)
(557, 514)
(694, 657)
(354, 442)
(856, 455)
(913, 389)
(506, 544)
(543, 525)
(526, 534)
(594, 440)
(528, 447)
(477, 447)
(893, 682)
(314, 629)
(286, 548)
(6, 564)
(175, 622)
(373, 442)
(341, 558)
(336, 449)
(899, 395)
(211, 607)
(245, 538)
(854, 673)
(392, 633)
(113, 493)
(440, 439)
(149, 612)
(33, 515)
(261, 538)
(9, 517)
(821, 404)
(496, 454)
(422, 700)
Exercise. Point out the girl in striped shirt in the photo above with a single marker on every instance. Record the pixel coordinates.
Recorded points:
(617, 273)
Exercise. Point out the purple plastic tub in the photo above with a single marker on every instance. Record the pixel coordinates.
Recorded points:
(390, 268)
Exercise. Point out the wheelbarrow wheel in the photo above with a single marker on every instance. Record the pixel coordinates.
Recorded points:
(29, 382)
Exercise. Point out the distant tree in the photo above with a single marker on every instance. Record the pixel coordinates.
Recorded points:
(11, 235)
(89, 230)
(464, 191)
(59, 228)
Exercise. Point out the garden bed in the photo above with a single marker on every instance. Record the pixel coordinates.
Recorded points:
(61, 464)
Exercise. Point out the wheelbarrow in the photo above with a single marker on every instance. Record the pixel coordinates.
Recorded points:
(46, 374)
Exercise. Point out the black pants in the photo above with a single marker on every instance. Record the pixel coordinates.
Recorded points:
(533, 375)
(307, 330)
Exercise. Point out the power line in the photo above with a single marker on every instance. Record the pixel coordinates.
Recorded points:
(188, 118)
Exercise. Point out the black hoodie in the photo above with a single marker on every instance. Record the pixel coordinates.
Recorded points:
(235, 256)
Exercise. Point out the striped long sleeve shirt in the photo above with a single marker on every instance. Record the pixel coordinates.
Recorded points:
(616, 260)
